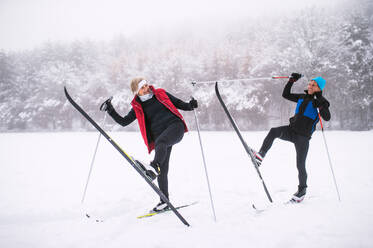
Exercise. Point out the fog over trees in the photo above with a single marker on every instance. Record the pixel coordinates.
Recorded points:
(336, 44)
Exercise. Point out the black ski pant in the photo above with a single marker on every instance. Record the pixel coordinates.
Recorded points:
(301, 144)
(172, 135)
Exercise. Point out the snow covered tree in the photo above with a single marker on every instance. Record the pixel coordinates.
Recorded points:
(358, 63)
(333, 43)
(8, 88)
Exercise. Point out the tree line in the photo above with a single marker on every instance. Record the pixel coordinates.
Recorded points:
(336, 44)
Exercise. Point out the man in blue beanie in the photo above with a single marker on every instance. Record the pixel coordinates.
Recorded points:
(301, 126)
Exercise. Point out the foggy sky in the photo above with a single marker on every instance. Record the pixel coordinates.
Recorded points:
(25, 24)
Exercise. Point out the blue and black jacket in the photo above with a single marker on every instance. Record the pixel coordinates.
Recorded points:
(306, 118)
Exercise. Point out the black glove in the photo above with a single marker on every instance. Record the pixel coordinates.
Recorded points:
(294, 77)
(320, 102)
(316, 103)
(107, 106)
(193, 103)
(318, 94)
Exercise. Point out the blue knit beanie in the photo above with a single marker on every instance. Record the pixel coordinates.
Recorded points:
(320, 82)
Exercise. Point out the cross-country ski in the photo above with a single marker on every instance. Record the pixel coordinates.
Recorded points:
(152, 213)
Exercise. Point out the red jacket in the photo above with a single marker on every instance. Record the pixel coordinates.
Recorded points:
(162, 97)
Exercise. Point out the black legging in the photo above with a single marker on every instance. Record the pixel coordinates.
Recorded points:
(172, 135)
(301, 144)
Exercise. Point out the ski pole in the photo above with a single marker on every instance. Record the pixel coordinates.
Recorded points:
(92, 162)
(240, 79)
(204, 163)
(327, 151)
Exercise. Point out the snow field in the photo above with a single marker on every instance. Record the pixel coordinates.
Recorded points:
(43, 177)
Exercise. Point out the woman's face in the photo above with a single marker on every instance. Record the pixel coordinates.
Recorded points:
(144, 90)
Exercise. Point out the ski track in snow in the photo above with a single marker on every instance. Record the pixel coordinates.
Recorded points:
(43, 177)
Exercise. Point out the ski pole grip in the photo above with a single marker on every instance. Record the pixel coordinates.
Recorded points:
(103, 106)
(279, 77)
(322, 127)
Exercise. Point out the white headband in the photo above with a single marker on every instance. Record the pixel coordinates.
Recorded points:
(142, 83)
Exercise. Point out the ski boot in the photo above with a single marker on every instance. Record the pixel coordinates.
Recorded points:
(299, 195)
(154, 167)
(160, 207)
(150, 172)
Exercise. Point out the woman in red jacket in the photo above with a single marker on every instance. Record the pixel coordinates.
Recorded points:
(161, 125)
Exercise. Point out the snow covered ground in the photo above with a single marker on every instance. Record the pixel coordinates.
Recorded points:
(43, 175)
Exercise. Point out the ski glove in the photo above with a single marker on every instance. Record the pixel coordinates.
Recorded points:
(318, 94)
(107, 106)
(294, 77)
(193, 103)
(320, 102)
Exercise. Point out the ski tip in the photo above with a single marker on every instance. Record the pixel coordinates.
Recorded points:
(65, 90)
(216, 88)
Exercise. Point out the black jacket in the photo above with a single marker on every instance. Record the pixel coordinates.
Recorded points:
(157, 116)
(306, 116)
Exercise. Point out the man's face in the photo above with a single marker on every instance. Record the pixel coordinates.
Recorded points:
(313, 87)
